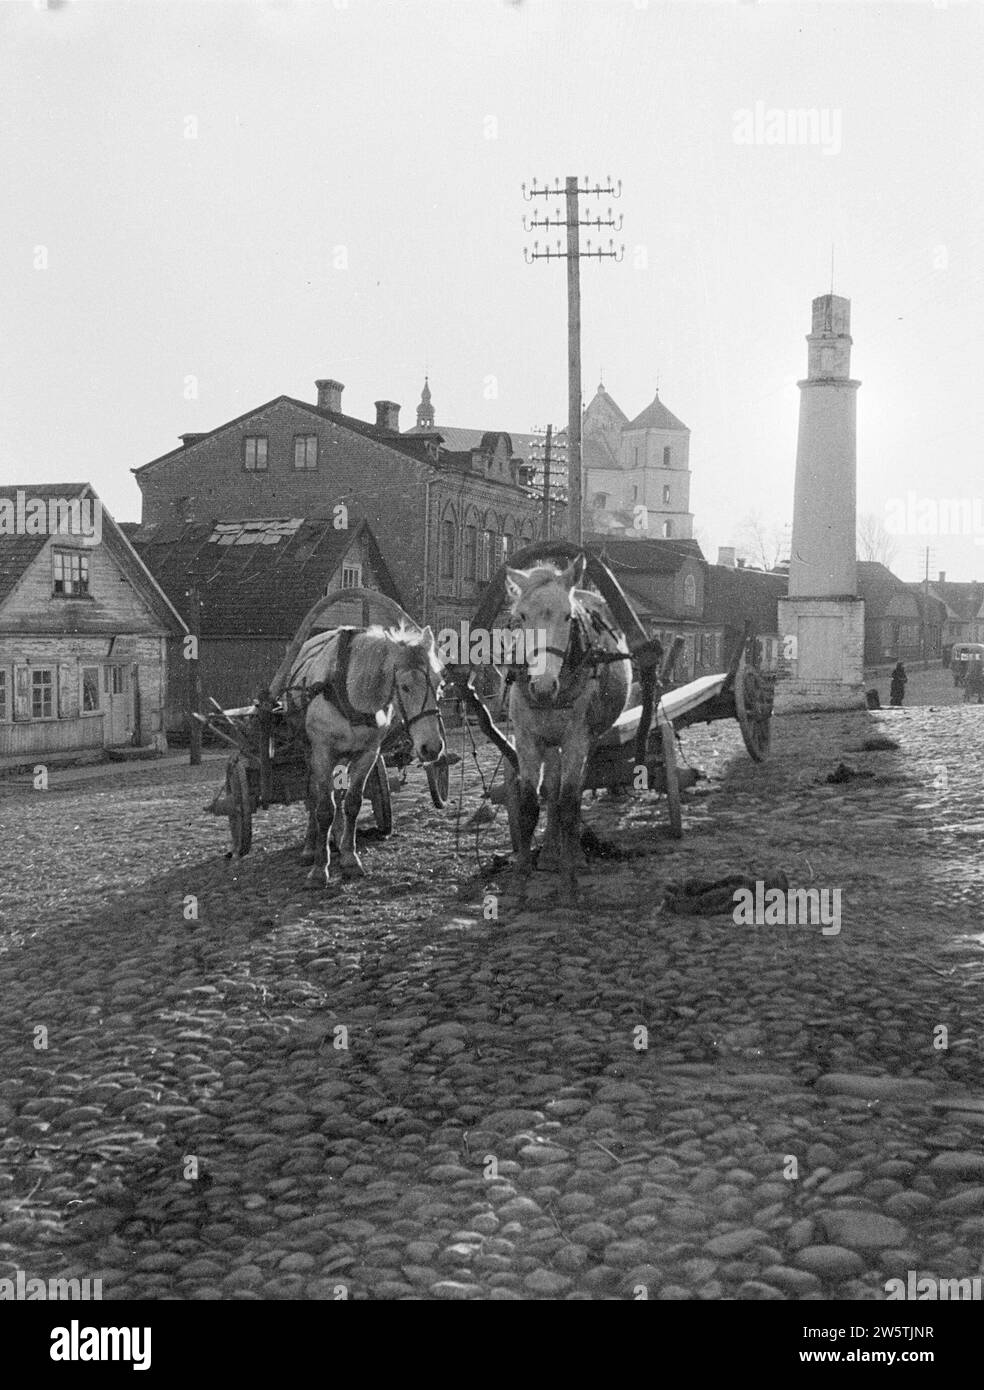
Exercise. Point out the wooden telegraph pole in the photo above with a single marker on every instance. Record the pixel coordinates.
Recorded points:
(194, 679)
(546, 484)
(572, 192)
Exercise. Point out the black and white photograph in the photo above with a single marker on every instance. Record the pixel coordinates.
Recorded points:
(492, 666)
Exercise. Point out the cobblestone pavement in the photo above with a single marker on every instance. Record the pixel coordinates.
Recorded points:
(555, 1104)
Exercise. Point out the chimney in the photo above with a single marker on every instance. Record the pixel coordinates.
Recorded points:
(189, 439)
(329, 394)
(726, 556)
(942, 578)
(387, 416)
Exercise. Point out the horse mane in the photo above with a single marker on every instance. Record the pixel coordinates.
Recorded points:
(540, 576)
(418, 657)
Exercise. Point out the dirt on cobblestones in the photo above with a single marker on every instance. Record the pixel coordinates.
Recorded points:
(217, 1083)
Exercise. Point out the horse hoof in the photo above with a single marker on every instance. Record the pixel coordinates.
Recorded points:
(316, 877)
(352, 868)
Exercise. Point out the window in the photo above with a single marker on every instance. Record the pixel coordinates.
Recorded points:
(667, 529)
(351, 576)
(4, 698)
(689, 591)
(447, 548)
(488, 550)
(508, 545)
(666, 456)
(255, 453)
(306, 451)
(71, 570)
(90, 689)
(114, 680)
(43, 694)
(635, 492)
(471, 552)
(601, 500)
(666, 492)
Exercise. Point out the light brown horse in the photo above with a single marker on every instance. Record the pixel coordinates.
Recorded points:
(350, 684)
(562, 700)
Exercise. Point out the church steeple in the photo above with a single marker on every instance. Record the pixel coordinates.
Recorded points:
(425, 411)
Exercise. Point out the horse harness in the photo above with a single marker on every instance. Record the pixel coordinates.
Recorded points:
(580, 659)
(335, 690)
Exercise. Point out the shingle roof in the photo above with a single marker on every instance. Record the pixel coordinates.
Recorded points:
(963, 600)
(249, 586)
(656, 417)
(17, 551)
(734, 596)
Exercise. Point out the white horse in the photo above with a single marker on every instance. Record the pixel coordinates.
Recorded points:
(561, 701)
(349, 684)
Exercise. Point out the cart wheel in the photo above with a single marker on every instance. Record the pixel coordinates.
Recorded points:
(377, 785)
(672, 780)
(241, 803)
(439, 781)
(753, 706)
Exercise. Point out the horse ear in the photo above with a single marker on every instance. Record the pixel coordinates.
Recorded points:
(427, 638)
(514, 584)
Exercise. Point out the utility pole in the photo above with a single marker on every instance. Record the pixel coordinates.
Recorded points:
(194, 678)
(572, 192)
(546, 484)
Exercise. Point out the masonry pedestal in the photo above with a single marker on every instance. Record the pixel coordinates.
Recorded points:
(824, 661)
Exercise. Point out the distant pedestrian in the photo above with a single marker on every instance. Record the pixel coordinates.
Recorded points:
(899, 680)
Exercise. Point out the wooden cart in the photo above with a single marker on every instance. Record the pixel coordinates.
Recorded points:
(269, 762)
(644, 736)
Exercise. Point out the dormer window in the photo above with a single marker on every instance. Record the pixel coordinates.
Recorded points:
(71, 574)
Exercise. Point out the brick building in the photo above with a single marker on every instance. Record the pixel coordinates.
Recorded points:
(443, 518)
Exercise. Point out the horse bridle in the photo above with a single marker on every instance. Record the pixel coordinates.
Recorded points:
(424, 712)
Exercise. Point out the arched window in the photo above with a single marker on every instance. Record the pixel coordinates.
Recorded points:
(667, 529)
(690, 592)
(666, 492)
(448, 529)
(471, 551)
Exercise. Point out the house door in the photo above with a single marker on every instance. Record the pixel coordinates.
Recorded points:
(118, 692)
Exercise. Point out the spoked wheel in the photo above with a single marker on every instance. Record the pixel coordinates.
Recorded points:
(240, 802)
(378, 788)
(753, 706)
(672, 780)
(439, 781)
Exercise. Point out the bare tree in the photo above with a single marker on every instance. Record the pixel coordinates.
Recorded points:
(874, 541)
(761, 544)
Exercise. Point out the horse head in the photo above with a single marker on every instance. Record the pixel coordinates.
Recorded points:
(544, 606)
(418, 675)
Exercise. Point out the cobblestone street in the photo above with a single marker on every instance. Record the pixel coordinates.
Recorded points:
(554, 1104)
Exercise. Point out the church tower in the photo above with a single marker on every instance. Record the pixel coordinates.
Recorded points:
(425, 411)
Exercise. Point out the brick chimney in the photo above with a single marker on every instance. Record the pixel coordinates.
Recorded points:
(387, 415)
(726, 556)
(942, 578)
(329, 394)
(188, 439)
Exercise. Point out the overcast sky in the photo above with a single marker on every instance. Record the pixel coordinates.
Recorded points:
(241, 197)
